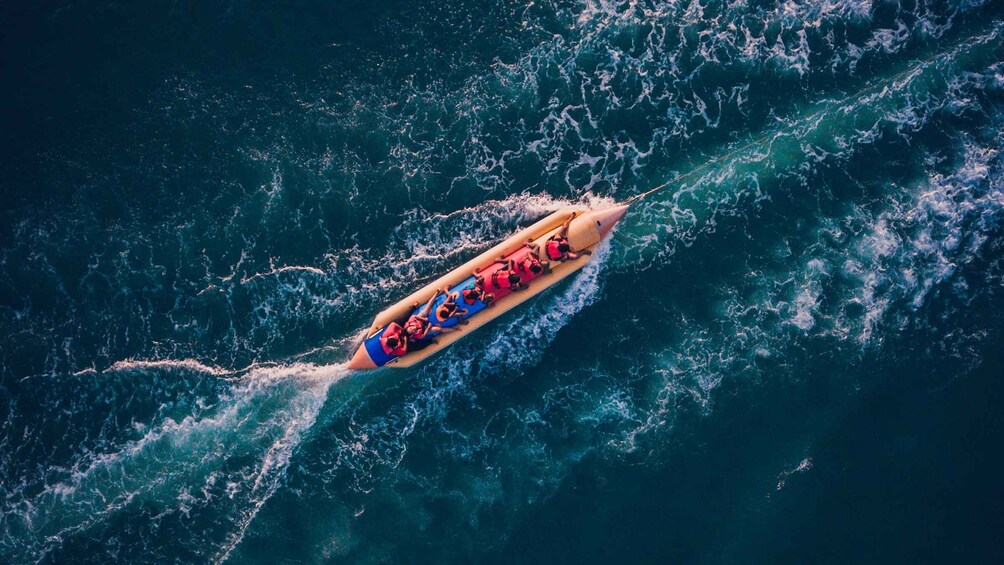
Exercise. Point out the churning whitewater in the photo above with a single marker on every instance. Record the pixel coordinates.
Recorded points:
(791, 352)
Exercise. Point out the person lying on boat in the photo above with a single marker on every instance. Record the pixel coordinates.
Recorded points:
(472, 295)
(394, 340)
(449, 309)
(524, 264)
(528, 264)
(506, 279)
(417, 325)
(557, 247)
(420, 330)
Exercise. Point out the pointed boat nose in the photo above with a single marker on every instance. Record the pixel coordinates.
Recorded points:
(607, 217)
(361, 360)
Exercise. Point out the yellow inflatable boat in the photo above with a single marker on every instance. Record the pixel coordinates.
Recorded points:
(586, 228)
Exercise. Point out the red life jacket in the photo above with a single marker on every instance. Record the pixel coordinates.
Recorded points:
(471, 295)
(416, 328)
(500, 279)
(524, 264)
(551, 247)
(394, 330)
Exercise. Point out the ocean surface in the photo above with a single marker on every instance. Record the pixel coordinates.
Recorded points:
(794, 353)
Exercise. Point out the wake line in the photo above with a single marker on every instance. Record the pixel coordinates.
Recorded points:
(237, 452)
(790, 129)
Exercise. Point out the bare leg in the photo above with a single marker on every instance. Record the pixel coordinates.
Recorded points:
(564, 226)
(428, 306)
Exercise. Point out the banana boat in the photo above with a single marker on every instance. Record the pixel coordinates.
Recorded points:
(479, 287)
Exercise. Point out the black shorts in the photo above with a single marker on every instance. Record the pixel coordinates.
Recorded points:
(417, 345)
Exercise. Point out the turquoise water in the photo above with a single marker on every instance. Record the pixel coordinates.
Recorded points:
(790, 354)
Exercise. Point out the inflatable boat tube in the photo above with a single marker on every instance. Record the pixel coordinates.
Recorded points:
(585, 231)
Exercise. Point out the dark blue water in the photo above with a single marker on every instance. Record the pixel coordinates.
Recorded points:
(790, 354)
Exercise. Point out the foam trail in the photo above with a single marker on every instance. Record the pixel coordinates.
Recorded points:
(871, 275)
(903, 252)
(166, 364)
(896, 105)
(232, 455)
